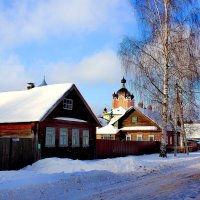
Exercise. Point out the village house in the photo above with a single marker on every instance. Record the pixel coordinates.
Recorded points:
(193, 131)
(131, 123)
(46, 121)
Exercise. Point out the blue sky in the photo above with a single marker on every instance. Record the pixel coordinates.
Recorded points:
(67, 41)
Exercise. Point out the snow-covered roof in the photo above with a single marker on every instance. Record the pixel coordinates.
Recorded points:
(193, 130)
(70, 119)
(30, 105)
(155, 116)
(139, 128)
(109, 129)
(115, 119)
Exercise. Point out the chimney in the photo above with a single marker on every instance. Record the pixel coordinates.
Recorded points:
(30, 86)
(149, 107)
(140, 104)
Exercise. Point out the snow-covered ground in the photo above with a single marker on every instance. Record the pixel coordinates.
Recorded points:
(132, 177)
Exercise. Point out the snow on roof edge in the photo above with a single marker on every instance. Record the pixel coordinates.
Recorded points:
(139, 128)
(20, 106)
(70, 119)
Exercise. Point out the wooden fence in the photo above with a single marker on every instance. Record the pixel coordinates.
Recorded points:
(114, 148)
(16, 153)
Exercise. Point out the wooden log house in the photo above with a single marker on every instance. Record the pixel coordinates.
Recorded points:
(55, 118)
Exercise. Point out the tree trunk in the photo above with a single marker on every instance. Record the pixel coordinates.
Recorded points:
(163, 148)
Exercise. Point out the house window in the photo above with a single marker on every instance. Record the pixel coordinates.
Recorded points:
(50, 137)
(67, 104)
(75, 138)
(128, 137)
(85, 138)
(139, 137)
(63, 140)
(134, 120)
(151, 137)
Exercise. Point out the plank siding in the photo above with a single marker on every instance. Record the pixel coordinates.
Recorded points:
(145, 135)
(99, 136)
(79, 110)
(20, 130)
(142, 120)
(69, 151)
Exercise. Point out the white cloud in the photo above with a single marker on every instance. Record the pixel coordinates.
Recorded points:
(13, 75)
(27, 20)
(102, 67)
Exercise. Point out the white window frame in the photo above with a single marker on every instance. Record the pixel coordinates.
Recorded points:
(149, 136)
(86, 136)
(128, 136)
(134, 119)
(50, 137)
(67, 104)
(63, 136)
(139, 136)
(75, 137)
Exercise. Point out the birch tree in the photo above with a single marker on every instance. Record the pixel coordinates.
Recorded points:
(152, 57)
(185, 51)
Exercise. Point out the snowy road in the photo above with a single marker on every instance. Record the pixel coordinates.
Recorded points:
(157, 185)
(133, 177)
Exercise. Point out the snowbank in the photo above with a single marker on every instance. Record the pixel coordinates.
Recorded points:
(127, 164)
(58, 165)
(55, 170)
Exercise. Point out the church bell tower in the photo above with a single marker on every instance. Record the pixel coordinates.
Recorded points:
(122, 97)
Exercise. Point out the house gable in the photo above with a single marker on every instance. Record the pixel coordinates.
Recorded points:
(80, 109)
(135, 118)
